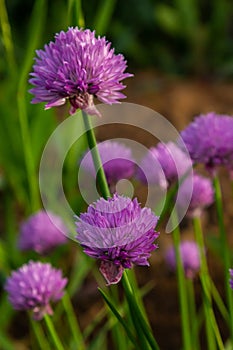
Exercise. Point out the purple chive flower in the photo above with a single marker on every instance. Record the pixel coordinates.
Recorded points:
(34, 286)
(117, 160)
(190, 256)
(42, 232)
(202, 195)
(231, 278)
(173, 161)
(119, 233)
(209, 140)
(76, 67)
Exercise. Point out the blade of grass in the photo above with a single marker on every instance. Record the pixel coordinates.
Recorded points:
(119, 317)
(35, 29)
(7, 38)
(103, 16)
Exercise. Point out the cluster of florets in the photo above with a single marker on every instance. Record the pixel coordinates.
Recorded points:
(77, 67)
(34, 286)
(119, 233)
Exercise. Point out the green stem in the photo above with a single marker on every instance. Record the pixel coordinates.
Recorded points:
(74, 326)
(181, 287)
(139, 318)
(37, 329)
(91, 139)
(29, 161)
(7, 38)
(39, 9)
(53, 333)
(193, 313)
(119, 317)
(225, 250)
(219, 302)
(75, 12)
(212, 329)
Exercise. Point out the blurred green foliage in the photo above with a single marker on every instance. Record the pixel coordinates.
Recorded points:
(174, 36)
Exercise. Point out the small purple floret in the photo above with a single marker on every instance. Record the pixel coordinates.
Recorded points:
(190, 256)
(209, 140)
(42, 232)
(77, 67)
(119, 233)
(34, 286)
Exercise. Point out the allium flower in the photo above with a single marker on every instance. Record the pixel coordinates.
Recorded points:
(209, 140)
(76, 67)
(190, 256)
(202, 195)
(34, 286)
(117, 160)
(173, 161)
(119, 233)
(41, 234)
(231, 278)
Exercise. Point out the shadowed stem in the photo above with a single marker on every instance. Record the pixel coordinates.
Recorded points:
(193, 313)
(74, 326)
(186, 334)
(140, 323)
(37, 329)
(225, 250)
(212, 330)
(91, 139)
(36, 26)
(7, 38)
(53, 333)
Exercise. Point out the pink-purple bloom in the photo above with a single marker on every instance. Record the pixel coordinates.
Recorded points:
(119, 233)
(190, 257)
(202, 195)
(172, 160)
(117, 160)
(34, 286)
(42, 232)
(77, 67)
(209, 140)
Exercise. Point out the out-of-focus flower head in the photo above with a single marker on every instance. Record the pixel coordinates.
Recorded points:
(202, 195)
(117, 160)
(34, 286)
(77, 67)
(209, 140)
(190, 256)
(119, 233)
(42, 232)
(172, 160)
(231, 278)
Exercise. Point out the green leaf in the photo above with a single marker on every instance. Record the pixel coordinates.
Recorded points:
(119, 317)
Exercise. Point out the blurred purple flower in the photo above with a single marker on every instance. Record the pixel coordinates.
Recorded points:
(34, 286)
(77, 67)
(172, 160)
(119, 233)
(202, 195)
(209, 140)
(41, 234)
(190, 256)
(117, 160)
(231, 278)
